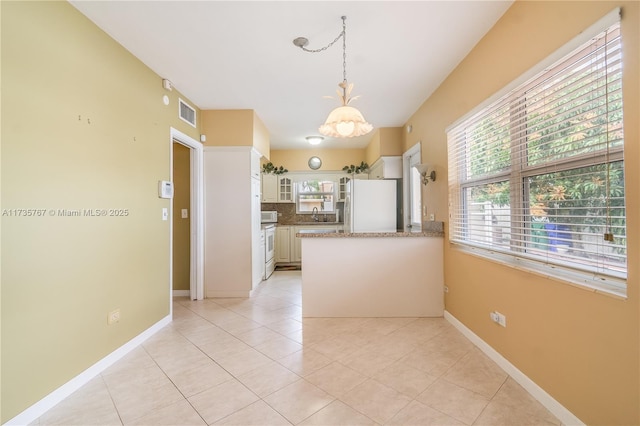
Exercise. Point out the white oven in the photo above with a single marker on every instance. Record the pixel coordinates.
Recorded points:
(269, 220)
(269, 249)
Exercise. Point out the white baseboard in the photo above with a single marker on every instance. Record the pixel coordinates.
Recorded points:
(39, 408)
(557, 409)
(181, 293)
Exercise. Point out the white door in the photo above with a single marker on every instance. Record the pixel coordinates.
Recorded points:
(412, 189)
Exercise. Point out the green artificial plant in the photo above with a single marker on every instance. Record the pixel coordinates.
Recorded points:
(362, 168)
(269, 168)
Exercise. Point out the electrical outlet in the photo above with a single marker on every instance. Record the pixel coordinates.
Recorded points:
(432, 217)
(498, 318)
(113, 317)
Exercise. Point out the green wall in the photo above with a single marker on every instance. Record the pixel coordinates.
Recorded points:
(181, 226)
(83, 127)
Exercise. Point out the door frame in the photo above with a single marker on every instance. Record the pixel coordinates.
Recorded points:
(406, 183)
(196, 279)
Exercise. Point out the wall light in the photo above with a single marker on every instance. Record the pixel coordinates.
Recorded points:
(315, 140)
(426, 175)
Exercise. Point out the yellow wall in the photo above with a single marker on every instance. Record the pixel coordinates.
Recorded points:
(385, 141)
(228, 127)
(372, 151)
(86, 129)
(238, 127)
(260, 136)
(181, 226)
(580, 347)
(296, 160)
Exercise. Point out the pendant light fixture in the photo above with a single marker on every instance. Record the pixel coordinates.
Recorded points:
(344, 121)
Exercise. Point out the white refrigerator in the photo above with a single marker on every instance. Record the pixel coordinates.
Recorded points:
(370, 206)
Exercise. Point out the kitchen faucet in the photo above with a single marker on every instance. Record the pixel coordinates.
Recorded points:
(314, 214)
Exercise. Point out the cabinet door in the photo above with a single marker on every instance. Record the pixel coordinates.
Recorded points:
(285, 190)
(376, 171)
(296, 246)
(388, 167)
(282, 244)
(342, 188)
(269, 188)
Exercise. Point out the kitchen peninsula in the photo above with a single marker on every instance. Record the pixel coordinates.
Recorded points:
(388, 274)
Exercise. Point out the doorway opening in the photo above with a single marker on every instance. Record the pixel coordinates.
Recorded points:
(187, 153)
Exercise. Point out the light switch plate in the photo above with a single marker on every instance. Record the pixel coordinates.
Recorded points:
(185, 213)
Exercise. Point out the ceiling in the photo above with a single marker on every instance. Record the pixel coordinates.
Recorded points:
(240, 54)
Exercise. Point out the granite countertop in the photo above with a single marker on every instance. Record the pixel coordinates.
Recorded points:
(341, 234)
(320, 223)
(429, 229)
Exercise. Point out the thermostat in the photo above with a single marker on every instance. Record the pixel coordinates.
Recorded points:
(165, 189)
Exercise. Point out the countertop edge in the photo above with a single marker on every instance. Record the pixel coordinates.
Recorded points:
(370, 234)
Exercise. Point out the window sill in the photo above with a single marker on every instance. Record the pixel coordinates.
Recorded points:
(584, 281)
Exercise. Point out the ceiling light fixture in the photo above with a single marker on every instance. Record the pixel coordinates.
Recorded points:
(344, 121)
(315, 140)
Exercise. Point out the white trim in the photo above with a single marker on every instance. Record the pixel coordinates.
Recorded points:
(557, 409)
(406, 183)
(590, 32)
(584, 280)
(45, 404)
(197, 213)
(181, 293)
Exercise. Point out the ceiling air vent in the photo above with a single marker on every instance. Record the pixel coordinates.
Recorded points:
(187, 113)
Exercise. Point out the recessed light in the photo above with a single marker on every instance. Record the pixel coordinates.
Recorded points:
(314, 140)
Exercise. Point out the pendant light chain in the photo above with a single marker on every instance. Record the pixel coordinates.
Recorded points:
(344, 49)
(322, 49)
(344, 121)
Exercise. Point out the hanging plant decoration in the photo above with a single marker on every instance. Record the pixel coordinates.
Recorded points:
(269, 168)
(352, 169)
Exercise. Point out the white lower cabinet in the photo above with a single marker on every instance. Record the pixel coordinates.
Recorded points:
(296, 246)
(283, 244)
(289, 247)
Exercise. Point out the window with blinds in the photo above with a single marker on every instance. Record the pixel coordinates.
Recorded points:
(537, 177)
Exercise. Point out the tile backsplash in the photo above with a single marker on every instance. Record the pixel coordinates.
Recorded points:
(287, 214)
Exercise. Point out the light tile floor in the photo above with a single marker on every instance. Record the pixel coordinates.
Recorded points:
(258, 362)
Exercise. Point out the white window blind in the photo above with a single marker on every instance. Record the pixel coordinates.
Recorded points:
(538, 175)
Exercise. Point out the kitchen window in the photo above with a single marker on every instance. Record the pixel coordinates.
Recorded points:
(315, 196)
(537, 177)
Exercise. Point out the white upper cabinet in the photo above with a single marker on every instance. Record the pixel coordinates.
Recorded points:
(343, 183)
(285, 189)
(387, 167)
(269, 188)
